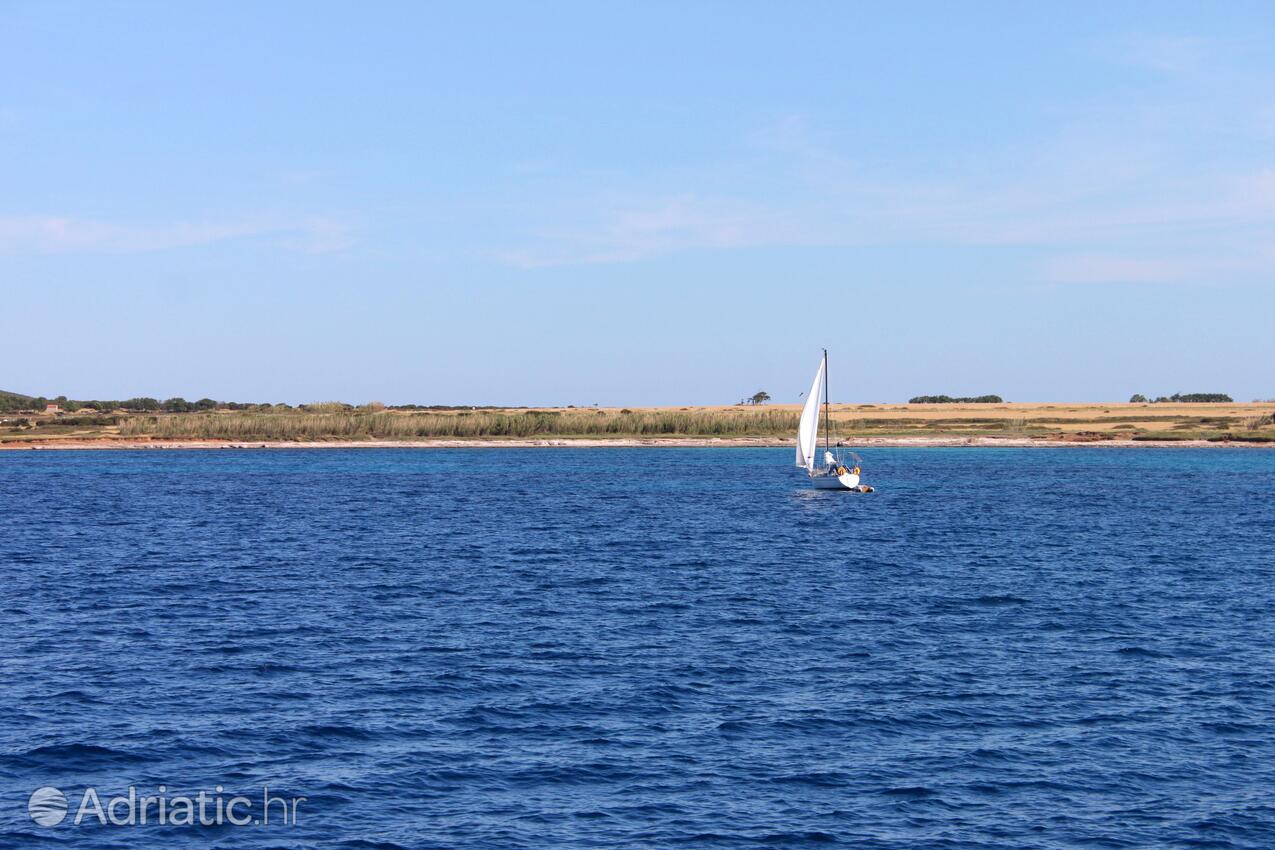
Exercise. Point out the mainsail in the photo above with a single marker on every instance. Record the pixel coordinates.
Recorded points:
(808, 430)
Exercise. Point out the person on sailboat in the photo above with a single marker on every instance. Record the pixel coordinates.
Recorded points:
(829, 460)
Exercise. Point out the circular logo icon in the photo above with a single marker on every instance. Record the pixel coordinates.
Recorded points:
(47, 806)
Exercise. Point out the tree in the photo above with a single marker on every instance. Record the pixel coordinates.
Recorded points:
(1201, 397)
(1195, 398)
(947, 399)
(1138, 398)
(760, 397)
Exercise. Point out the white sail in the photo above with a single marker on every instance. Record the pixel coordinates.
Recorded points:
(808, 430)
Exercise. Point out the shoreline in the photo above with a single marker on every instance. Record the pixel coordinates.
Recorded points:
(131, 444)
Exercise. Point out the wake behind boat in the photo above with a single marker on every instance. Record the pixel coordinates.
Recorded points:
(833, 473)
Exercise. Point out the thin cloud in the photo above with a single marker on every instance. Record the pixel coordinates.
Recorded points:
(639, 232)
(1097, 198)
(1090, 268)
(1043, 214)
(1168, 54)
(51, 234)
(1125, 186)
(1241, 262)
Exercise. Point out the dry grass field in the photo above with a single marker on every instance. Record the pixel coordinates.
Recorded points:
(1068, 422)
(1060, 422)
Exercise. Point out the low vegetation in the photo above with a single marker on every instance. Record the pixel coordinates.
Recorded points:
(15, 402)
(462, 425)
(947, 399)
(25, 419)
(1184, 398)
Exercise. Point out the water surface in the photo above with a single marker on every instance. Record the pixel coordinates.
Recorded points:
(570, 648)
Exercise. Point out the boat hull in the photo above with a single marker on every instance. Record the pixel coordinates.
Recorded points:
(847, 481)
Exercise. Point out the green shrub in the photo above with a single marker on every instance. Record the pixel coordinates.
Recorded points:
(78, 421)
(947, 399)
(1195, 398)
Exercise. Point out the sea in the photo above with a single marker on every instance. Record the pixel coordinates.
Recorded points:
(375, 649)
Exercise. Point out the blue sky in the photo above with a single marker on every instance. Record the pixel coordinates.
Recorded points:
(636, 203)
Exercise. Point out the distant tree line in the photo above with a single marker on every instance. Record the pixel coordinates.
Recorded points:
(14, 403)
(1188, 398)
(947, 399)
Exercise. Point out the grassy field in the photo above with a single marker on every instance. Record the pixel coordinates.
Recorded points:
(463, 425)
(1055, 422)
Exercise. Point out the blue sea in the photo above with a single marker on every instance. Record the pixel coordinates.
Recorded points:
(639, 648)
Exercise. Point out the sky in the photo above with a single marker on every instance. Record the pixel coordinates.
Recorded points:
(636, 203)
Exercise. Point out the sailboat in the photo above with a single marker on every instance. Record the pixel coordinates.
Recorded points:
(831, 473)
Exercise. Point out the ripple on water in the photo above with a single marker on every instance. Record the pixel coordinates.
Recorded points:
(999, 648)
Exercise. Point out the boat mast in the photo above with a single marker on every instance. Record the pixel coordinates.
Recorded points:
(827, 415)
